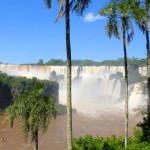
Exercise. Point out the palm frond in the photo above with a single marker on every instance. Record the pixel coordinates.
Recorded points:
(25, 128)
(109, 27)
(131, 33)
(148, 3)
(124, 8)
(141, 27)
(61, 10)
(116, 30)
(80, 6)
(121, 12)
(106, 11)
(48, 3)
(112, 26)
(141, 14)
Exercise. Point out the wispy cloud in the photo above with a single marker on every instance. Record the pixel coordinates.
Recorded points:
(91, 17)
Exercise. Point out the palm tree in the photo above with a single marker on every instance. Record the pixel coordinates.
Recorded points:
(147, 7)
(35, 109)
(120, 15)
(143, 25)
(142, 19)
(77, 6)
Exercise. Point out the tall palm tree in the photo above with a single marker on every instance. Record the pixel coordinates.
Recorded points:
(119, 14)
(35, 109)
(78, 6)
(147, 6)
(142, 19)
(143, 25)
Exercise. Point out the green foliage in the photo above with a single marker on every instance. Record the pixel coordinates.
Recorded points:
(120, 15)
(1, 111)
(20, 85)
(35, 109)
(77, 6)
(55, 62)
(132, 62)
(80, 6)
(48, 3)
(144, 126)
(134, 76)
(118, 75)
(97, 143)
(111, 143)
(143, 16)
(40, 62)
(62, 109)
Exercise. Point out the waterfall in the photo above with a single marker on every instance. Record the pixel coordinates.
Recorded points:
(43, 72)
(92, 86)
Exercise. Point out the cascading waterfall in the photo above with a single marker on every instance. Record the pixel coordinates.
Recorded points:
(93, 88)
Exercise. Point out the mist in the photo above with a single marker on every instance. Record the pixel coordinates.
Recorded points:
(96, 90)
(95, 96)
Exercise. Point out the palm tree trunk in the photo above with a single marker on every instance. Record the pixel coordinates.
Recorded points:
(148, 62)
(148, 72)
(69, 103)
(126, 87)
(36, 140)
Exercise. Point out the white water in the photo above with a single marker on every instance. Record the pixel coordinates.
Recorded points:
(92, 90)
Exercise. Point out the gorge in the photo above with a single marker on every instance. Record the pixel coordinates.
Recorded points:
(94, 89)
(97, 95)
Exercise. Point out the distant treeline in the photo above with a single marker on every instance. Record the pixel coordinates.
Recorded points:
(133, 62)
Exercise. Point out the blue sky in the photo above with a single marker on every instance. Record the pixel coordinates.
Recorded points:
(28, 33)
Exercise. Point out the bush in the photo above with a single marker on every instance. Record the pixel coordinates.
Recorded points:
(111, 143)
(62, 109)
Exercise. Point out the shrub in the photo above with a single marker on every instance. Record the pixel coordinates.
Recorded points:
(111, 143)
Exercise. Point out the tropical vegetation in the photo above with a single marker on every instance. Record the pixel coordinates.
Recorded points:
(35, 109)
(144, 27)
(110, 143)
(133, 62)
(120, 14)
(19, 85)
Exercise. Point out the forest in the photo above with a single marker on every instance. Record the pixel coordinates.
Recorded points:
(132, 62)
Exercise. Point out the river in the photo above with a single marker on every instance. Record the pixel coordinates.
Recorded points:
(55, 138)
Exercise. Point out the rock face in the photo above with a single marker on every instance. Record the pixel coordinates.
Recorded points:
(43, 72)
(5, 96)
(53, 89)
(143, 71)
(137, 94)
(92, 83)
(12, 86)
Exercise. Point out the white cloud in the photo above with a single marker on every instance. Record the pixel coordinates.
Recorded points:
(91, 17)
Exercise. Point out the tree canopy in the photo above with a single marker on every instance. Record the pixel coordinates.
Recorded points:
(35, 109)
(87, 62)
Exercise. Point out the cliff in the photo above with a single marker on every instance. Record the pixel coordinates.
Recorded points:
(90, 84)
(43, 72)
(13, 86)
(5, 96)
